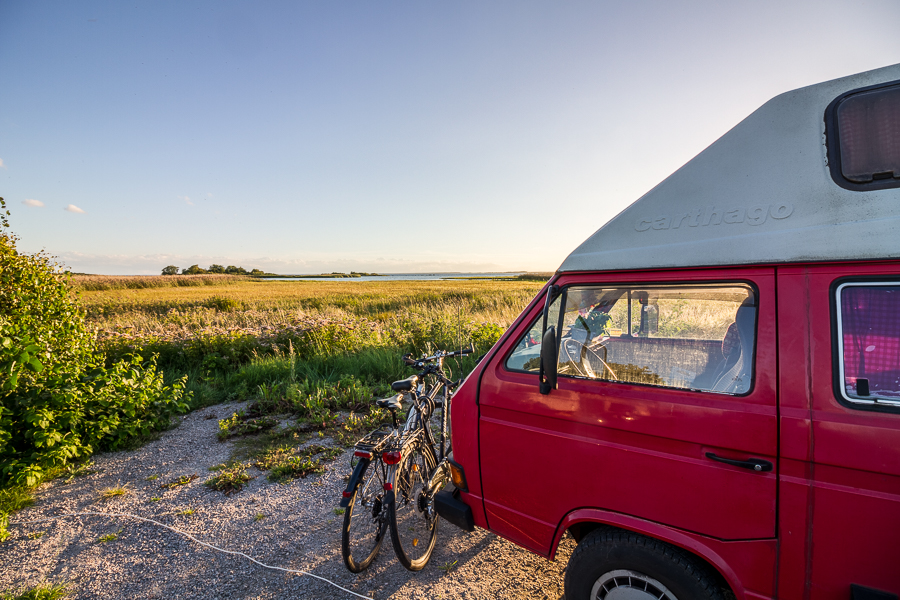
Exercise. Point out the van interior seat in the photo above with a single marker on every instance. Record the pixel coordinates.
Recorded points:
(736, 377)
(661, 361)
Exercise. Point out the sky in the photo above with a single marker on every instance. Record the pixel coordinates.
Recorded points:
(314, 136)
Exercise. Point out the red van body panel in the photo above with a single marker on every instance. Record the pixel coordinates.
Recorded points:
(464, 415)
(853, 477)
(626, 448)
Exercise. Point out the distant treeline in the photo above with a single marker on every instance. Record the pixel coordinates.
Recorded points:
(214, 270)
(534, 276)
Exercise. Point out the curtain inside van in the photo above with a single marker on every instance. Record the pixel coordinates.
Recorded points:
(870, 322)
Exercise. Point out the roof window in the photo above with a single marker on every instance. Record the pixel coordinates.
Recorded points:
(864, 138)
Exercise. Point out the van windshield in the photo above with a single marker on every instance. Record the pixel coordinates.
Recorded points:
(690, 336)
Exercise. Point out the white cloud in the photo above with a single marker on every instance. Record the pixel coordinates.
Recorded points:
(209, 194)
(74, 209)
(1, 163)
(32, 202)
(186, 199)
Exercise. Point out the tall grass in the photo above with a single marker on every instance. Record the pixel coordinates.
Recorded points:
(233, 338)
(255, 307)
(139, 282)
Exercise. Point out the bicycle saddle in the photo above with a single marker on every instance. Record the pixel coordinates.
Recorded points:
(405, 385)
(392, 403)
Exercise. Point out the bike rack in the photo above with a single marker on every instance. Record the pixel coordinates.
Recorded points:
(375, 441)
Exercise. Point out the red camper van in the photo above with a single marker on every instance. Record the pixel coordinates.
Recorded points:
(706, 395)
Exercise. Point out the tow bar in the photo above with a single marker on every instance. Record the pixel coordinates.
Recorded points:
(447, 504)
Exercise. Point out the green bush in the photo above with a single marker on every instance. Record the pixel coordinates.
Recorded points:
(58, 401)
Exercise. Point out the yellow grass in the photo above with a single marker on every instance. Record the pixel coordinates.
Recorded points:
(257, 306)
(116, 282)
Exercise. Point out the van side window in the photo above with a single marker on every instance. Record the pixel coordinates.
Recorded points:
(527, 354)
(869, 342)
(688, 336)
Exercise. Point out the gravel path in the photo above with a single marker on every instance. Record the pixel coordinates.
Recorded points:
(298, 529)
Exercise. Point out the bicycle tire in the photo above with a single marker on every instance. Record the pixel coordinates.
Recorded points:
(365, 518)
(448, 431)
(413, 524)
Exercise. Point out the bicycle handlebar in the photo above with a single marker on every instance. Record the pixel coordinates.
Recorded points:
(440, 354)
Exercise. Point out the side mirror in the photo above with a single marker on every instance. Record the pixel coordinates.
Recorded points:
(548, 360)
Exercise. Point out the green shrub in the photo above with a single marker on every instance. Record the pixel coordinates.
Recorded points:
(58, 401)
(223, 303)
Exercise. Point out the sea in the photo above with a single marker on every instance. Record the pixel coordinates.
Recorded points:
(402, 277)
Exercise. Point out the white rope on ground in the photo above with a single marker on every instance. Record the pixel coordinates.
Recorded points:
(189, 536)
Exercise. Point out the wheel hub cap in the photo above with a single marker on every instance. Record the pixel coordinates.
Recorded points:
(629, 585)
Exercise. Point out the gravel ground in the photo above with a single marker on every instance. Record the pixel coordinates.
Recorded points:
(298, 530)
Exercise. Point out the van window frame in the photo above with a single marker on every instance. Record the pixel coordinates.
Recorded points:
(833, 145)
(562, 296)
(837, 342)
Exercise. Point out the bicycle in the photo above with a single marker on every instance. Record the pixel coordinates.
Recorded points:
(365, 511)
(410, 467)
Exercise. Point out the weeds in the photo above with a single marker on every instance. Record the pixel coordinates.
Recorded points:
(230, 479)
(12, 499)
(286, 462)
(109, 537)
(448, 566)
(36, 535)
(183, 480)
(40, 592)
(4, 524)
(259, 517)
(339, 511)
(295, 467)
(186, 512)
(15, 498)
(241, 424)
(113, 492)
(84, 469)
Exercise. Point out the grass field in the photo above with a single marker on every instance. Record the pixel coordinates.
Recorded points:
(257, 304)
(115, 282)
(246, 337)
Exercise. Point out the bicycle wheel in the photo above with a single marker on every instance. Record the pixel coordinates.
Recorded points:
(365, 519)
(436, 431)
(414, 523)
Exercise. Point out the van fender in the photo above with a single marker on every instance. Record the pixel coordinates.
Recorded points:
(653, 530)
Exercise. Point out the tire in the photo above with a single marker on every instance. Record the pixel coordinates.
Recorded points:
(445, 408)
(414, 525)
(612, 563)
(365, 519)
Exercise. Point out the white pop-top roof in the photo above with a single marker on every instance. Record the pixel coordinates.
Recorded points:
(762, 193)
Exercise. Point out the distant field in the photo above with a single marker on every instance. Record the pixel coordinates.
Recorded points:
(121, 282)
(258, 305)
(235, 338)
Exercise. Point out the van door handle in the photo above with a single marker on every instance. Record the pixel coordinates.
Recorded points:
(754, 464)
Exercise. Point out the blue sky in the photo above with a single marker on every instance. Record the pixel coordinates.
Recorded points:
(303, 137)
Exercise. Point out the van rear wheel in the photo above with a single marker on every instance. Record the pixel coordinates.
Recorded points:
(611, 564)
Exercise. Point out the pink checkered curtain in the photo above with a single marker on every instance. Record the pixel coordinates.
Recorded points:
(870, 318)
